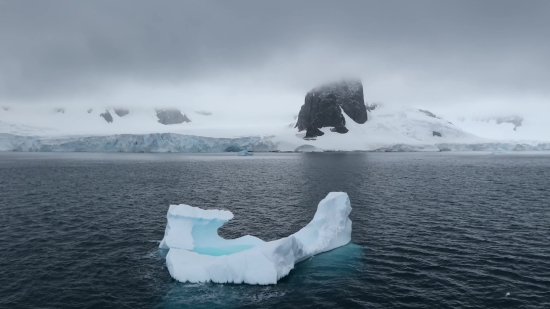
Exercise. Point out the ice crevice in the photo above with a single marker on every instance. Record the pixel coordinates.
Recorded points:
(196, 253)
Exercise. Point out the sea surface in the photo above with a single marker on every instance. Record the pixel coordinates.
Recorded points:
(430, 230)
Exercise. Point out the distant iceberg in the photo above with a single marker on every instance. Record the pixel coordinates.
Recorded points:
(245, 153)
(198, 254)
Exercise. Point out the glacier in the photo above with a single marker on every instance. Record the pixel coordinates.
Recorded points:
(196, 253)
(154, 142)
(389, 129)
(179, 143)
(496, 146)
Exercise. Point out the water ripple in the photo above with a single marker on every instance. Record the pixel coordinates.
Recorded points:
(448, 231)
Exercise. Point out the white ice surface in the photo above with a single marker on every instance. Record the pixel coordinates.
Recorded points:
(387, 129)
(197, 254)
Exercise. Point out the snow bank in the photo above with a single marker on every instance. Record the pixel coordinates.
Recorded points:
(198, 254)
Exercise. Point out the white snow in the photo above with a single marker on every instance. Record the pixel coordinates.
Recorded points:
(481, 120)
(39, 128)
(198, 254)
(405, 129)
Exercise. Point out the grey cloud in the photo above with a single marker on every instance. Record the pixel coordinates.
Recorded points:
(406, 50)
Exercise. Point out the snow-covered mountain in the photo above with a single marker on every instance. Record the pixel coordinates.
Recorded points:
(404, 129)
(83, 129)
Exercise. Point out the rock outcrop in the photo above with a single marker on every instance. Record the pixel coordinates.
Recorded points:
(171, 116)
(323, 107)
(107, 116)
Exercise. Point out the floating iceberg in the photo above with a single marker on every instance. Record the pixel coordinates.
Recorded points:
(245, 153)
(198, 254)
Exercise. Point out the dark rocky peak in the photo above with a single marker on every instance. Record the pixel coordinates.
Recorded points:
(90, 110)
(348, 94)
(121, 112)
(435, 133)
(60, 110)
(107, 116)
(323, 107)
(171, 116)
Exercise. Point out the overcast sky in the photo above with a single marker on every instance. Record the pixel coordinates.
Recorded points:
(491, 55)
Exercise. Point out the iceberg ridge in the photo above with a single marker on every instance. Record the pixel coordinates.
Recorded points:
(198, 254)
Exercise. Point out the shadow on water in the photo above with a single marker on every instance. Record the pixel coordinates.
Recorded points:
(317, 275)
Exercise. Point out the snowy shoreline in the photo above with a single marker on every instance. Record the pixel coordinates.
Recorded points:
(178, 143)
(388, 129)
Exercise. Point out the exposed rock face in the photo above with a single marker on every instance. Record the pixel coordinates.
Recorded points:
(340, 129)
(121, 112)
(171, 116)
(107, 116)
(90, 110)
(312, 132)
(60, 110)
(435, 133)
(323, 107)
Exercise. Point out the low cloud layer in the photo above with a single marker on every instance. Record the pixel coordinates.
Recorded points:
(260, 55)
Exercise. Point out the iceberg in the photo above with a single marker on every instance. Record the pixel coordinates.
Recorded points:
(196, 253)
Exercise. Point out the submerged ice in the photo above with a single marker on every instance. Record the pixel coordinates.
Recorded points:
(198, 254)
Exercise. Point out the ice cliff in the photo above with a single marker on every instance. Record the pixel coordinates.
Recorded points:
(198, 254)
(388, 129)
(155, 142)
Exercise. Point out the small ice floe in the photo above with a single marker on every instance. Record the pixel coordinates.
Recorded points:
(245, 153)
(507, 294)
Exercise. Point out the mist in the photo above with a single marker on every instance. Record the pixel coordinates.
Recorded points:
(258, 59)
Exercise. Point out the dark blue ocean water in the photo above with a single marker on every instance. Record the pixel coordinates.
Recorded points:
(437, 230)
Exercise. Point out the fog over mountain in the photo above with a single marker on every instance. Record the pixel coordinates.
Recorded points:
(256, 60)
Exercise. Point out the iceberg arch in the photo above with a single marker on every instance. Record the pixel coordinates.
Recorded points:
(198, 254)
